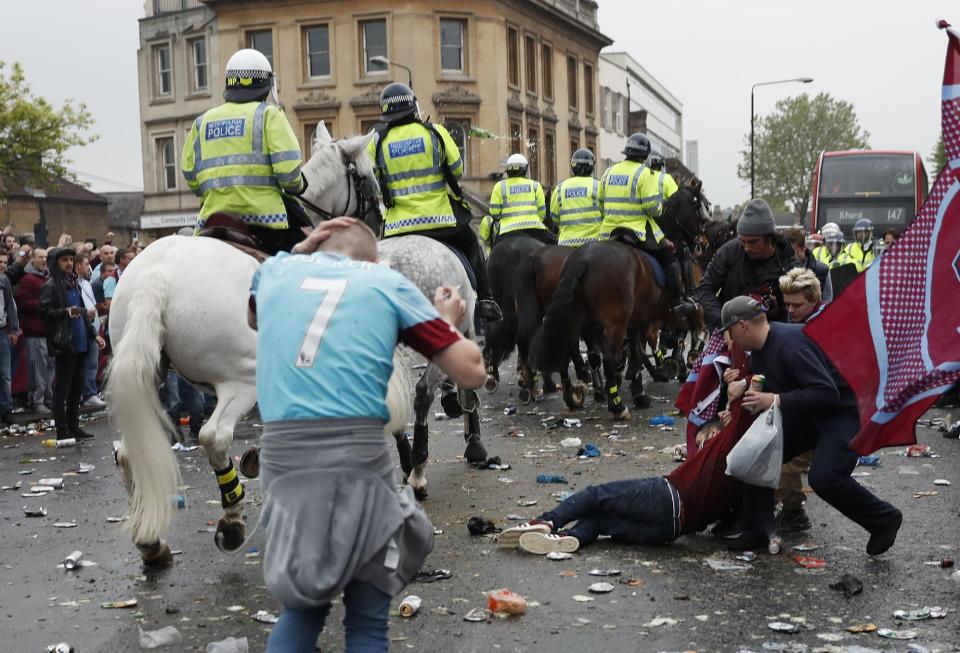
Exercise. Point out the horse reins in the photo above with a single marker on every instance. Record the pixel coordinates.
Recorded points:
(354, 187)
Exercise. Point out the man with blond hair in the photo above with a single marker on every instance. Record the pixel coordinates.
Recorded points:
(801, 294)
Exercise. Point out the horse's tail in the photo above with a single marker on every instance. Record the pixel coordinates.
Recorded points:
(563, 321)
(132, 388)
(529, 311)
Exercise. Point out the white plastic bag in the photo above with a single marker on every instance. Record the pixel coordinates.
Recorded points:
(758, 457)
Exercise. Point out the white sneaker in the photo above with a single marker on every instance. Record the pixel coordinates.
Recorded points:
(93, 401)
(544, 543)
(510, 537)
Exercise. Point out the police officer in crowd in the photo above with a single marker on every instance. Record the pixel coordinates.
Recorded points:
(242, 156)
(666, 184)
(417, 162)
(575, 203)
(518, 205)
(861, 251)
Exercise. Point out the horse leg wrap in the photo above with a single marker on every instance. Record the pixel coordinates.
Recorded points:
(231, 490)
(420, 451)
(614, 397)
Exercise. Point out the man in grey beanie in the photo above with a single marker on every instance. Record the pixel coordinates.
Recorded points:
(751, 264)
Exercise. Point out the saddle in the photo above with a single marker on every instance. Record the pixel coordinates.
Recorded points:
(234, 231)
(629, 238)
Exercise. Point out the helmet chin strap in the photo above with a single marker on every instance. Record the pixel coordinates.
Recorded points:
(273, 91)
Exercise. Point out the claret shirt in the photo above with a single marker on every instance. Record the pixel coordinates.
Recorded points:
(327, 329)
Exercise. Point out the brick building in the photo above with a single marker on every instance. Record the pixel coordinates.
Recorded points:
(67, 208)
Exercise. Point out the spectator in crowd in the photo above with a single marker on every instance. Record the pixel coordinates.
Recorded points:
(17, 262)
(69, 335)
(123, 261)
(106, 270)
(9, 334)
(108, 254)
(65, 240)
(819, 413)
(27, 296)
(108, 238)
(890, 236)
(10, 242)
(28, 237)
(90, 396)
(798, 241)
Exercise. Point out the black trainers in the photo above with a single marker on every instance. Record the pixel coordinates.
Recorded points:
(80, 434)
(794, 520)
(883, 539)
(487, 309)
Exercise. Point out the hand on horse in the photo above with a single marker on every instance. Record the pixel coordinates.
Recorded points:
(450, 305)
(320, 233)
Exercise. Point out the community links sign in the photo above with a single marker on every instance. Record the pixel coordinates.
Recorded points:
(167, 220)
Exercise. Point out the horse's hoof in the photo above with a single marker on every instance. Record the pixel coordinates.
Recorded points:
(450, 403)
(642, 402)
(577, 395)
(230, 534)
(475, 451)
(491, 384)
(623, 414)
(525, 396)
(157, 554)
(250, 462)
(420, 493)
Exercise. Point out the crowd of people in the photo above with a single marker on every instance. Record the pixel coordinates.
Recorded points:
(55, 314)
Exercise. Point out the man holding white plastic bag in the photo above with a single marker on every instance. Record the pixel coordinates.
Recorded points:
(818, 412)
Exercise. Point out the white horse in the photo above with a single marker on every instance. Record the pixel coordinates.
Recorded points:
(183, 303)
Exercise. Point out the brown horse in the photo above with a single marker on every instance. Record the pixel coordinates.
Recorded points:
(609, 291)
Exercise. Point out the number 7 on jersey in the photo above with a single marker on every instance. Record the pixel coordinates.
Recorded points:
(333, 290)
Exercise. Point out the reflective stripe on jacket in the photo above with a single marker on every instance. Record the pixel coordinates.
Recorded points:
(517, 203)
(628, 198)
(237, 157)
(411, 166)
(575, 207)
(822, 254)
(666, 186)
(856, 254)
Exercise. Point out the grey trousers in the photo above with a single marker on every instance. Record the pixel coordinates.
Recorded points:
(41, 371)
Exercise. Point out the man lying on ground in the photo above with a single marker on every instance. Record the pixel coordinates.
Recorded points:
(645, 511)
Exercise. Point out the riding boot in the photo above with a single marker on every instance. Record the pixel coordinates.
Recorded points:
(684, 307)
(486, 309)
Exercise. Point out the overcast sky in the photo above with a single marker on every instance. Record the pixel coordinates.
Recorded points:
(884, 56)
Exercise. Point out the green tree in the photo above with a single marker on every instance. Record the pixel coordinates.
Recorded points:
(35, 135)
(938, 158)
(788, 142)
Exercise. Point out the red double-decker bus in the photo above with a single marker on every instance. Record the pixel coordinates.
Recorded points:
(884, 185)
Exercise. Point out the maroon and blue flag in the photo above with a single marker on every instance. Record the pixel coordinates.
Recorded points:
(894, 333)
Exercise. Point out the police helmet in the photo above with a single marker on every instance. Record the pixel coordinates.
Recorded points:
(830, 226)
(834, 241)
(863, 230)
(655, 161)
(397, 101)
(517, 165)
(637, 147)
(249, 76)
(582, 163)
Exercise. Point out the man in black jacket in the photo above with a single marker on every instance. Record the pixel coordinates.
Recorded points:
(750, 265)
(69, 335)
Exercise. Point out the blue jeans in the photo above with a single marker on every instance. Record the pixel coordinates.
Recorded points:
(191, 402)
(365, 623)
(90, 363)
(643, 511)
(6, 375)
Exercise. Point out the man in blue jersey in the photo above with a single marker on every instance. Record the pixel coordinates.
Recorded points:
(328, 323)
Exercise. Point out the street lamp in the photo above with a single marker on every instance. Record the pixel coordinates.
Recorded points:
(383, 61)
(802, 80)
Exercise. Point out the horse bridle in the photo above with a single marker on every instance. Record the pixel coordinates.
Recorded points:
(690, 239)
(366, 201)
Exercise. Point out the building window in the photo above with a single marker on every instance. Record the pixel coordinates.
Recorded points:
(574, 144)
(168, 164)
(533, 151)
(549, 158)
(452, 39)
(605, 108)
(516, 138)
(588, 90)
(198, 50)
(530, 59)
(262, 41)
(316, 43)
(623, 119)
(374, 38)
(572, 95)
(369, 124)
(546, 59)
(161, 55)
(591, 145)
(459, 129)
(513, 57)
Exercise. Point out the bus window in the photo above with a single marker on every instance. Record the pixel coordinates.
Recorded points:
(873, 175)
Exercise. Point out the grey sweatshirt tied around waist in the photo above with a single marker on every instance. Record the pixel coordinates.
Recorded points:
(333, 513)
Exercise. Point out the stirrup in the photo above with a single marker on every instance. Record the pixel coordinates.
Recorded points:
(488, 310)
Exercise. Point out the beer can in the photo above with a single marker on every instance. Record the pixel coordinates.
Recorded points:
(72, 561)
(757, 382)
(409, 606)
(62, 647)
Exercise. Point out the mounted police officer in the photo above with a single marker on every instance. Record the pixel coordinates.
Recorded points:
(861, 251)
(242, 156)
(417, 162)
(629, 199)
(517, 204)
(575, 204)
(666, 184)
